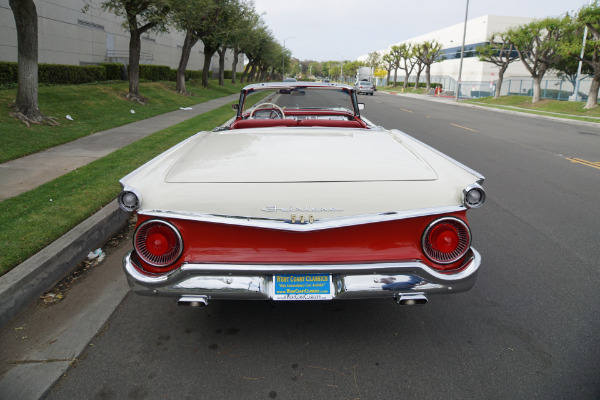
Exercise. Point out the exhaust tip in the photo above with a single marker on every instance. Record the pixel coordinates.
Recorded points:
(193, 301)
(410, 299)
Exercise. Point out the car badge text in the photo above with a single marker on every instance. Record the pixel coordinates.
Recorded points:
(294, 219)
(299, 209)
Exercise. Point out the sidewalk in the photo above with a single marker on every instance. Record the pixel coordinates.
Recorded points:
(26, 173)
(29, 280)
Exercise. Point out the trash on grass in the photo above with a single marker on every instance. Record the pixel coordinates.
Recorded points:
(69, 118)
(131, 111)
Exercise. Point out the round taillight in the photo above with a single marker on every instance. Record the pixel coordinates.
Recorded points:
(446, 240)
(158, 243)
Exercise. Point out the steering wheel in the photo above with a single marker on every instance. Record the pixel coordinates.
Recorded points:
(276, 110)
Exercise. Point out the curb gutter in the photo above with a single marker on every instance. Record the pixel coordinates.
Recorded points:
(35, 276)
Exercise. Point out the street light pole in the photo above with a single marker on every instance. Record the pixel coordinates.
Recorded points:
(462, 52)
(578, 79)
(283, 57)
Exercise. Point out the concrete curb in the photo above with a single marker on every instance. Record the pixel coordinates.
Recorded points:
(32, 278)
(450, 100)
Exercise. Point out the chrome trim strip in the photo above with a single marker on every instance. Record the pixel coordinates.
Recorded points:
(254, 282)
(317, 224)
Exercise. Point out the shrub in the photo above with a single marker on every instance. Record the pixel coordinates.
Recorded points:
(189, 75)
(193, 75)
(155, 72)
(114, 71)
(8, 72)
(70, 74)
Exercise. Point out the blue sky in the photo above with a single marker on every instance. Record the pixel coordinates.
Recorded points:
(335, 29)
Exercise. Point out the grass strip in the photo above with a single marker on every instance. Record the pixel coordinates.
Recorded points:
(34, 219)
(554, 108)
(93, 108)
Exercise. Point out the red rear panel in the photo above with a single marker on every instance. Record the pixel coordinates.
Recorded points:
(400, 240)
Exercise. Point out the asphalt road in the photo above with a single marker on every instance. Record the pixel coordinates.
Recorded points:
(529, 329)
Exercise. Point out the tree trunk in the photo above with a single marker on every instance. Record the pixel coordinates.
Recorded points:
(428, 77)
(189, 42)
(236, 54)
(209, 51)
(537, 89)
(245, 73)
(221, 52)
(252, 72)
(135, 48)
(25, 14)
(417, 81)
(500, 79)
(592, 100)
(395, 77)
(264, 74)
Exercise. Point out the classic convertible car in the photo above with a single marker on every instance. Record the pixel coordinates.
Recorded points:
(301, 198)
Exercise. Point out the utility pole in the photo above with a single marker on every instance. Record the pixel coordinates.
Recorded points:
(462, 52)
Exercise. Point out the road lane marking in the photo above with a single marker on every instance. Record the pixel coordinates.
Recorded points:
(464, 127)
(585, 162)
(408, 111)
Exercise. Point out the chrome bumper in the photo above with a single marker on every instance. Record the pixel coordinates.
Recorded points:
(348, 281)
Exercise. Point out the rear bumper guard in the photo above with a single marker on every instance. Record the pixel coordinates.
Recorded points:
(348, 281)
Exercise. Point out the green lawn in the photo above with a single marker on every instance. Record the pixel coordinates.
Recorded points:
(94, 108)
(555, 108)
(36, 218)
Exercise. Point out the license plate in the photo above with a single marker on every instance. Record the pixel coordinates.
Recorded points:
(302, 287)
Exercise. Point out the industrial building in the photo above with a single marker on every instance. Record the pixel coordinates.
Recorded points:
(477, 77)
(70, 35)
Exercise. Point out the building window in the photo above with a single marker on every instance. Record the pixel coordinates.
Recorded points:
(91, 25)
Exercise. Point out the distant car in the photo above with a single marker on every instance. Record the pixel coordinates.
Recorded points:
(299, 197)
(365, 87)
(366, 80)
(287, 90)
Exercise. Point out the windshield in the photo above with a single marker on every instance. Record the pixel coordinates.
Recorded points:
(321, 98)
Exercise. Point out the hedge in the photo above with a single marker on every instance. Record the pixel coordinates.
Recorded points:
(227, 74)
(412, 84)
(55, 73)
(114, 71)
(8, 72)
(70, 74)
(189, 75)
(155, 72)
(58, 74)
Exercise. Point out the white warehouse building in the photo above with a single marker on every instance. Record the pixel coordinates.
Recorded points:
(476, 75)
(68, 35)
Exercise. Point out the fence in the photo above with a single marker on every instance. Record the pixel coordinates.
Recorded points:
(554, 88)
